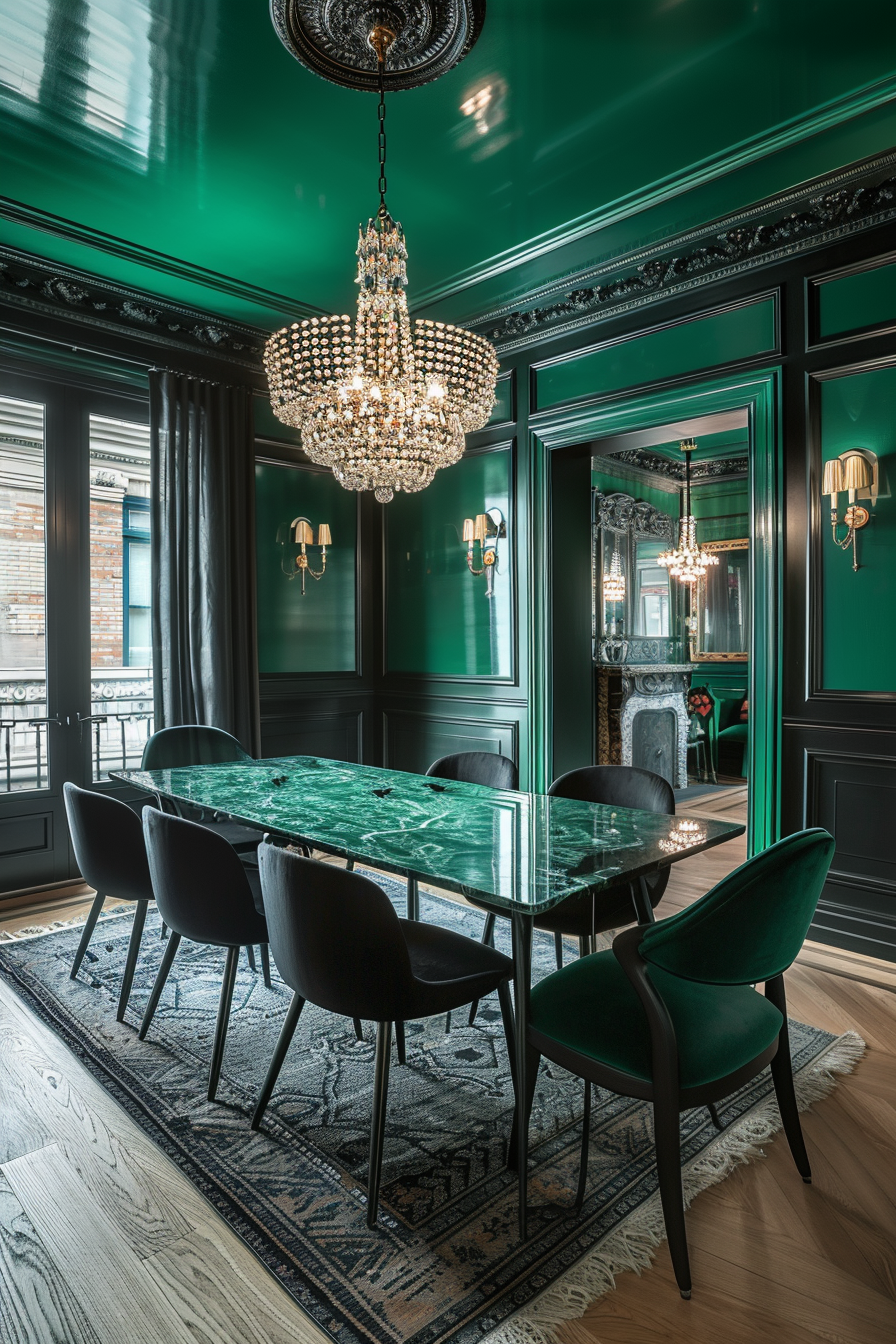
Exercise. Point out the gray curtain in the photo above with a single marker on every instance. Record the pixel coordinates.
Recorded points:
(203, 555)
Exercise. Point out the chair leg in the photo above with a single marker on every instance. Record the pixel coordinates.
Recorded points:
(533, 1060)
(667, 1135)
(349, 865)
(558, 950)
(505, 998)
(227, 984)
(399, 1041)
(583, 1159)
(378, 1118)
(265, 953)
(359, 1030)
(131, 963)
(584, 947)
(89, 926)
(287, 1031)
(714, 1115)
(488, 938)
(161, 976)
(163, 931)
(447, 1021)
(250, 957)
(782, 1077)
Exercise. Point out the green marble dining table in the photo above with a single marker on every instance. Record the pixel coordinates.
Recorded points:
(519, 852)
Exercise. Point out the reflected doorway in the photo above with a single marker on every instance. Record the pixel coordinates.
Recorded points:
(672, 659)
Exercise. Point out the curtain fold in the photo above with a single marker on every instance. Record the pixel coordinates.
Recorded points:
(203, 555)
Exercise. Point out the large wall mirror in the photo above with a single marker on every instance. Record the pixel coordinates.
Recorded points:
(722, 631)
(636, 609)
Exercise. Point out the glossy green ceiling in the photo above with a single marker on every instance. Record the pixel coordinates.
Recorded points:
(184, 131)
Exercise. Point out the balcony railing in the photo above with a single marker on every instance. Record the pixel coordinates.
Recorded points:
(120, 721)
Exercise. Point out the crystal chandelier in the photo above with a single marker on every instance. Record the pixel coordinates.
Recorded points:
(687, 562)
(384, 406)
(614, 580)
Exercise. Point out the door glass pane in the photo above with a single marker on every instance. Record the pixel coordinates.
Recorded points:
(120, 594)
(23, 567)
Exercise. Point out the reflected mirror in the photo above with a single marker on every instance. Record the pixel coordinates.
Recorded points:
(723, 605)
(651, 597)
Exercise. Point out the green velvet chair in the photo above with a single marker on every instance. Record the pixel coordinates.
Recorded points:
(732, 731)
(670, 1015)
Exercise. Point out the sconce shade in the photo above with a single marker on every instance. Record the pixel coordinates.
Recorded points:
(480, 532)
(833, 477)
(468, 529)
(323, 535)
(856, 473)
(304, 534)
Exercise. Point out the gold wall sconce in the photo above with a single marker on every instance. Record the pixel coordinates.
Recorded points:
(294, 540)
(484, 531)
(854, 471)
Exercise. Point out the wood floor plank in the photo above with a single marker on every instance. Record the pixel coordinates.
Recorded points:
(37, 1304)
(122, 1301)
(123, 1175)
(219, 1297)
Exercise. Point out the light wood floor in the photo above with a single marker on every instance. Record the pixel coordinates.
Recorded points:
(103, 1241)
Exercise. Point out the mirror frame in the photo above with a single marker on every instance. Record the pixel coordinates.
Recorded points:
(698, 655)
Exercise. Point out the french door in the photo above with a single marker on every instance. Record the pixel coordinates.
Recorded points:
(75, 674)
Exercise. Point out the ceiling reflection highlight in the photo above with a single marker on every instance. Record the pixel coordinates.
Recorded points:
(81, 68)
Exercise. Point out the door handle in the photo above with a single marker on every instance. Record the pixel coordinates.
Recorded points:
(90, 718)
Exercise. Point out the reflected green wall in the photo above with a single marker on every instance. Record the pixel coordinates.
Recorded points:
(722, 510)
(858, 630)
(438, 619)
(314, 633)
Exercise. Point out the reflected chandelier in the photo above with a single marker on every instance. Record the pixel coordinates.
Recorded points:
(688, 562)
(382, 406)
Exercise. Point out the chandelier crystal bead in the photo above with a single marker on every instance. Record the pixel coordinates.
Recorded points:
(382, 403)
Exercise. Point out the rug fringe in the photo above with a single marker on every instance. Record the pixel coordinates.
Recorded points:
(632, 1245)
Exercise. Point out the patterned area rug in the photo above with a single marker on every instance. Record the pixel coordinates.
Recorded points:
(444, 1263)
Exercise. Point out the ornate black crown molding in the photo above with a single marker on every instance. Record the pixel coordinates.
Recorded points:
(659, 464)
(831, 208)
(624, 513)
(29, 283)
(330, 37)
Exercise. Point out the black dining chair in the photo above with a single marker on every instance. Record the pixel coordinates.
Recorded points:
(338, 943)
(197, 744)
(107, 838)
(670, 1014)
(594, 912)
(204, 894)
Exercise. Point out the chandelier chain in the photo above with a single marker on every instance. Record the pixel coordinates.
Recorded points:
(381, 114)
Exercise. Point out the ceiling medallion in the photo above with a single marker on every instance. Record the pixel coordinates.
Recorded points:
(384, 406)
(331, 37)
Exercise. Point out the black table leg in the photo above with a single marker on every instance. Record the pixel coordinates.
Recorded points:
(521, 925)
(641, 899)
(413, 899)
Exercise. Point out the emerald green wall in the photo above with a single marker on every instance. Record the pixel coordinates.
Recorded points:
(438, 619)
(858, 627)
(863, 299)
(314, 633)
(703, 343)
